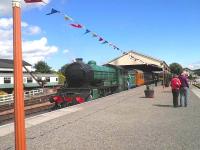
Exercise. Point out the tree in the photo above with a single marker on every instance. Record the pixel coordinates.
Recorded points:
(176, 68)
(197, 71)
(61, 78)
(42, 67)
(63, 68)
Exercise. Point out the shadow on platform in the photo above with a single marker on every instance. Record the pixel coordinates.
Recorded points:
(146, 97)
(167, 91)
(159, 105)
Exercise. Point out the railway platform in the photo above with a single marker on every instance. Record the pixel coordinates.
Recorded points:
(122, 121)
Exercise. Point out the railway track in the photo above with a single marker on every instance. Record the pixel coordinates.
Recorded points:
(33, 105)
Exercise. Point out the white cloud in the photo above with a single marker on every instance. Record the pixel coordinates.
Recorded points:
(6, 6)
(33, 30)
(33, 51)
(65, 51)
(194, 66)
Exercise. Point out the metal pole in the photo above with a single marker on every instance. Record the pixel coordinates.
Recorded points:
(20, 138)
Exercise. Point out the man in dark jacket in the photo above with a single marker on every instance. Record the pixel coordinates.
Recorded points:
(184, 89)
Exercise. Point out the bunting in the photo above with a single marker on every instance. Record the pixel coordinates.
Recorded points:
(94, 35)
(67, 17)
(87, 31)
(76, 25)
(53, 11)
(105, 42)
(100, 39)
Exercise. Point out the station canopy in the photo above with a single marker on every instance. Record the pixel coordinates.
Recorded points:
(135, 60)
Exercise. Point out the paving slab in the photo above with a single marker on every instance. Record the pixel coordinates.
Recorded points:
(123, 121)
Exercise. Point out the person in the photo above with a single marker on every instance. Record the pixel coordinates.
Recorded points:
(175, 85)
(184, 89)
(155, 80)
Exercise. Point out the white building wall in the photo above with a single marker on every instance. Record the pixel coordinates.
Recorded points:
(53, 79)
(1, 80)
(12, 80)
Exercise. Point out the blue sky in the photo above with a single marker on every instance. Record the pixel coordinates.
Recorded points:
(165, 29)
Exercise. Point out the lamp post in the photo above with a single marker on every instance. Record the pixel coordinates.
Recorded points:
(20, 138)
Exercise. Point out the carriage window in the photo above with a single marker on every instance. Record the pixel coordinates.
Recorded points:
(48, 79)
(29, 80)
(7, 80)
(24, 80)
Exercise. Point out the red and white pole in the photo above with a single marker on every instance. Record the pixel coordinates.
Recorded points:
(20, 137)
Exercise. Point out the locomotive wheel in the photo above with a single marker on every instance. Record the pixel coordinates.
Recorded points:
(64, 104)
(74, 102)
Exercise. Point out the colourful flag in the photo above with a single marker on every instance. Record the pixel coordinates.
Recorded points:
(32, 1)
(67, 18)
(110, 44)
(100, 39)
(105, 42)
(87, 31)
(53, 11)
(76, 25)
(94, 35)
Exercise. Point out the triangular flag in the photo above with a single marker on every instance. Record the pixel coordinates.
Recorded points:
(53, 11)
(94, 35)
(76, 25)
(87, 31)
(110, 44)
(105, 42)
(100, 39)
(124, 53)
(67, 18)
(32, 1)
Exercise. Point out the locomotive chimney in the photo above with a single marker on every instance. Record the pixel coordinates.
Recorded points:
(79, 59)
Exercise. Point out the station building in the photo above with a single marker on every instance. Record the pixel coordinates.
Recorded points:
(135, 60)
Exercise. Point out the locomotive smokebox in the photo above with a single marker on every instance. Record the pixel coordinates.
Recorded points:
(78, 74)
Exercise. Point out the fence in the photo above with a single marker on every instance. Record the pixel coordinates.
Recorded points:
(27, 94)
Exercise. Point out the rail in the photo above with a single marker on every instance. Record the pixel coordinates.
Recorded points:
(27, 94)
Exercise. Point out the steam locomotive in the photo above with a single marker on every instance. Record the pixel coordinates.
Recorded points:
(85, 82)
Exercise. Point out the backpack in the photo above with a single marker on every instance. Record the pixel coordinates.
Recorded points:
(175, 83)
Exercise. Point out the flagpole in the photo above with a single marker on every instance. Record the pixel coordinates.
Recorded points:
(20, 137)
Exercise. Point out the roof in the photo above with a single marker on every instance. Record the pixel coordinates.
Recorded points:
(8, 63)
(158, 62)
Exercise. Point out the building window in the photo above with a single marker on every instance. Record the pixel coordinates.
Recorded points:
(7, 79)
(56, 79)
(29, 80)
(47, 79)
(39, 78)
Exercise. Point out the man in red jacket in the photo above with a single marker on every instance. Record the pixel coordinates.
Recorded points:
(175, 85)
